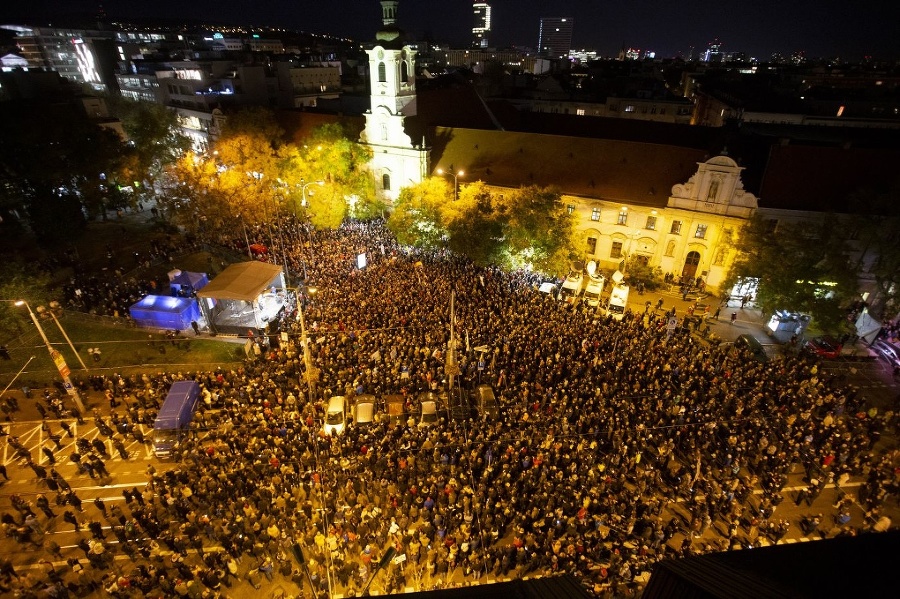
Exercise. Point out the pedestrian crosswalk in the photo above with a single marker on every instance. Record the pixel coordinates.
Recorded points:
(48, 443)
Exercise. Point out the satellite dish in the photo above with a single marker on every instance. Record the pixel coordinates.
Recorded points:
(577, 265)
(617, 277)
(592, 268)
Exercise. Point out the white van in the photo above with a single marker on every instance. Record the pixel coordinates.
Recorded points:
(618, 297)
(571, 287)
(593, 290)
(335, 416)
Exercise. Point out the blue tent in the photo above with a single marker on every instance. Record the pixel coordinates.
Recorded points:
(187, 283)
(165, 312)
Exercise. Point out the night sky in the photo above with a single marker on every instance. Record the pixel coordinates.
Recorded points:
(669, 27)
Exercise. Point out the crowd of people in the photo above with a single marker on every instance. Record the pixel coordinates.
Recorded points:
(618, 443)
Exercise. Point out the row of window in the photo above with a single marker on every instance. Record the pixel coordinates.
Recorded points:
(650, 225)
(616, 253)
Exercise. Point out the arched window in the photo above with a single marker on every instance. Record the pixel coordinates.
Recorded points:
(386, 182)
(382, 73)
(404, 72)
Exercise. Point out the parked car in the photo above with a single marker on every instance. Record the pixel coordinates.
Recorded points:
(395, 407)
(429, 413)
(485, 402)
(750, 344)
(824, 347)
(430, 408)
(364, 410)
(335, 416)
(888, 351)
(458, 404)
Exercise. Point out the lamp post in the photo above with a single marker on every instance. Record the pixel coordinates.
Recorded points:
(455, 176)
(57, 358)
(312, 374)
(303, 187)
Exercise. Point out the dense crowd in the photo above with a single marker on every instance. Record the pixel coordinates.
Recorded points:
(618, 443)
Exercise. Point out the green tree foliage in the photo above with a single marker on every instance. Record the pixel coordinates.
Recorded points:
(527, 228)
(250, 175)
(800, 267)
(417, 219)
(877, 247)
(538, 231)
(341, 164)
(474, 224)
(155, 141)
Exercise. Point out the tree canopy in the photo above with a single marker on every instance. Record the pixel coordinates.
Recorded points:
(524, 228)
(801, 268)
(250, 174)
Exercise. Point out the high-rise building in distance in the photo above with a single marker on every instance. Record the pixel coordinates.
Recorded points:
(555, 38)
(481, 30)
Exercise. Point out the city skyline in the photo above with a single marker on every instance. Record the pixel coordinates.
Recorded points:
(817, 28)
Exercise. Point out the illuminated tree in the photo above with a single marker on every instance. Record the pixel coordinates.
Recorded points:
(342, 164)
(538, 230)
(474, 225)
(417, 219)
(817, 279)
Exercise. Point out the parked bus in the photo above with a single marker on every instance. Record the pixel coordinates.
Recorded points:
(174, 418)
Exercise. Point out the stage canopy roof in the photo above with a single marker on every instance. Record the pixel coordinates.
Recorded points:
(243, 281)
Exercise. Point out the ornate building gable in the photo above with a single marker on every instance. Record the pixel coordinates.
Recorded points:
(716, 188)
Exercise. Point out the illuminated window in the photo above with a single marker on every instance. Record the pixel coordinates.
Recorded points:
(676, 227)
(595, 214)
(629, 108)
(579, 111)
(570, 208)
(651, 223)
(700, 233)
(623, 217)
(382, 73)
(591, 245)
(616, 251)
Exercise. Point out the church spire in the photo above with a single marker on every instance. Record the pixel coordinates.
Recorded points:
(389, 12)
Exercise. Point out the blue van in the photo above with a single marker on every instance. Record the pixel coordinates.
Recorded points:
(174, 418)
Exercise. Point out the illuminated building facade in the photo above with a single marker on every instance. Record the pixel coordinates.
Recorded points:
(396, 160)
(555, 36)
(481, 30)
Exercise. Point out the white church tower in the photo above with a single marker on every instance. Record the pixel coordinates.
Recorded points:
(396, 161)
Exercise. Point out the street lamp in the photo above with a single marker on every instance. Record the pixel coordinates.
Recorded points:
(57, 358)
(304, 186)
(455, 176)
